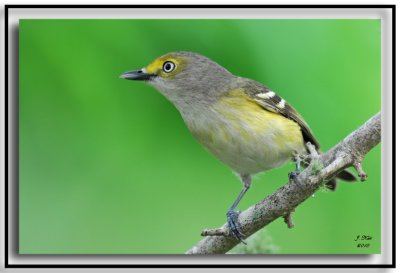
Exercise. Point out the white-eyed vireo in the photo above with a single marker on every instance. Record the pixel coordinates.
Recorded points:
(240, 121)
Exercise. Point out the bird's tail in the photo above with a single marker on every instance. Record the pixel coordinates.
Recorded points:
(344, 175)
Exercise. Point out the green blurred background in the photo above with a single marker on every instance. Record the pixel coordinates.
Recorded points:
(107, 165)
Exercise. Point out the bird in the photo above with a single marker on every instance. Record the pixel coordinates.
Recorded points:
(242, 122)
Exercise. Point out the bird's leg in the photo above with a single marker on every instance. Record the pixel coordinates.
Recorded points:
(293, 175)
(232, 215)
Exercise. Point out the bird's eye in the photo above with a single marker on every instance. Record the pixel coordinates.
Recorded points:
(168, 66)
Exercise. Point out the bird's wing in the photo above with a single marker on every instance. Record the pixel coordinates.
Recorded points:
(270, 101)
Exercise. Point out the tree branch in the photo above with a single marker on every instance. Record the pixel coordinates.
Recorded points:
(349, 152)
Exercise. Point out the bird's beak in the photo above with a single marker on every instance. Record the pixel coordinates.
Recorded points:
(137, 75)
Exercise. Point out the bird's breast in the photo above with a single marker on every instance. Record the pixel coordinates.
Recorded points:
(246, 137)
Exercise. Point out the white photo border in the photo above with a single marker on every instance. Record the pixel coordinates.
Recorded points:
(13, 13)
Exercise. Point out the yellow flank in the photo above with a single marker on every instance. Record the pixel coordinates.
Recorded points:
(247, 111)
(245, 136)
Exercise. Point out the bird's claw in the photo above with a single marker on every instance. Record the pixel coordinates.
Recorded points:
(233, 225)
(293, 175)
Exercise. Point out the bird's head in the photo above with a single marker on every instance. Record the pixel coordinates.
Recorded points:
(185, 78)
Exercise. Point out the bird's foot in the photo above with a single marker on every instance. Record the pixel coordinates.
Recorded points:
(233, 225)
(293, 175)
